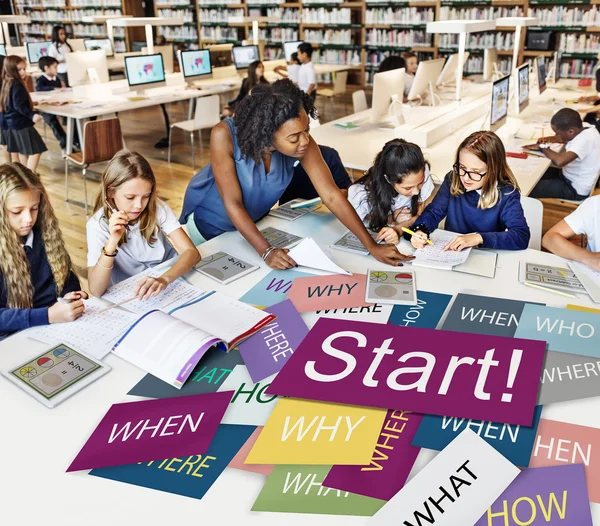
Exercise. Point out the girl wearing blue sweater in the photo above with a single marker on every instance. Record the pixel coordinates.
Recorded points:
(479, 198)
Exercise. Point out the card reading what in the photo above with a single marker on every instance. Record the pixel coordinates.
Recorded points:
(397, 288)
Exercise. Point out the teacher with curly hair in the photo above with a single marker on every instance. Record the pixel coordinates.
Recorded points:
(252, 160)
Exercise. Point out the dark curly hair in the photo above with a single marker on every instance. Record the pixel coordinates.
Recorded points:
(264, 111)
(396, 160)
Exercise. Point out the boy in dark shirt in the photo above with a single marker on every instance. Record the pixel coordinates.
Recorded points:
(49, 81)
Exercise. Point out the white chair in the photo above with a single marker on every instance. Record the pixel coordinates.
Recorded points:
(207, 115)
(339, 88)
(359, 101)
(534, 215)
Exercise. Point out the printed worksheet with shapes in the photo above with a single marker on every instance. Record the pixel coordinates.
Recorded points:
(175, 295)
(435, 256)
(94, 333)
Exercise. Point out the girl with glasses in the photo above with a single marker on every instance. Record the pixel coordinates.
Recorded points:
(479, 198)
(392, 193)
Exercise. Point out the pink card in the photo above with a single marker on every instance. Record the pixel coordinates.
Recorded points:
(328, 292)
(238, 461)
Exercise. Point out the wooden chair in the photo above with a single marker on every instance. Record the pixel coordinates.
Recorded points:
(339, 88)
(102, 139)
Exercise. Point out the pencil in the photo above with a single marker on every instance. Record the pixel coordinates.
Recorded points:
(409, 231)
(567, 294)
(123, 303)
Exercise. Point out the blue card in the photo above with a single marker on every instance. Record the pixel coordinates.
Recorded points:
(426, 314)
(188, 476)
(513, 441)
(273, 288)
(564, 330)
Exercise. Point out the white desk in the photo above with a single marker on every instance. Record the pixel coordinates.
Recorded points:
(41, 443)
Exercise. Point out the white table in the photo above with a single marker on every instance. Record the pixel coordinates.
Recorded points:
(39, 443)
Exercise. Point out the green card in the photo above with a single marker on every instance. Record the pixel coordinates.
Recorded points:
(346, 125)
(297, 489)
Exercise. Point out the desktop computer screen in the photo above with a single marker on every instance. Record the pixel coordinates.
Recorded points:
(291, 47)
(195, 63)
(145, 69)
(388, 91)
(490, 63)
(541, 73)
(522, 87)
(448, 74)
(499, 109)
(243, 56)
(2, 49)
(426, 76)
(99, 43)
(35, 50)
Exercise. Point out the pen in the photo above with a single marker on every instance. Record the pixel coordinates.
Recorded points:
(114, 211)
(117, 305)
(529, 284)
(409, 231)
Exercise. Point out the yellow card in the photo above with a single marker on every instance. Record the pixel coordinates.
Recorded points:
(582, 309)
(309, 432)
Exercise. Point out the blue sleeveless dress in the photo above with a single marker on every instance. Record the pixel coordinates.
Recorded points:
(260, 191)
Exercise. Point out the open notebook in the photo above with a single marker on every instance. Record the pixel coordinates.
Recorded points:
(169, 345)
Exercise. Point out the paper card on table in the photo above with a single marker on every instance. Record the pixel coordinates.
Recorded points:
(583, 309)
(207, 376)
(552, 496)
(564, 330)
(456, 487)
(308, 254)
(190, 475)
(307, 432)
(513, 441)
(568, 377)
(328, 292)
(153, 429)
(422, 370)
(559, 443)
(224, 268)
(376, 313)
(298, 489)
(484, 315)
(426, 314)
(273, 288)
(397, 287)
(391, 462)
(267, 351)
(249, 403)
(558, 278)
(238, 462)
(279, 238)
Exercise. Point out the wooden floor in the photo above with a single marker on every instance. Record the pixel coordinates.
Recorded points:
(142, 129)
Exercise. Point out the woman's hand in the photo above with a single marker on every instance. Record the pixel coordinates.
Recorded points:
(76, 295)
(388, 235)
(148, 287)
(278, 259)
(389, 255)
(62, 312)
(117, 224)
(460, 242)
(419, 239)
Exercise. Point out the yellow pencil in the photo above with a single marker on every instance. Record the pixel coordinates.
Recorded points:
(409, 231)
(529, 284)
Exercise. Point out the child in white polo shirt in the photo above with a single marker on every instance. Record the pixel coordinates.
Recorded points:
(584, 220)
(307, 76)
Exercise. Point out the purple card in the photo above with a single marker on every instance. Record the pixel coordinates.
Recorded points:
(552, 496)
(392, 460)
(153, 429)
(267, 351)
(422, 370)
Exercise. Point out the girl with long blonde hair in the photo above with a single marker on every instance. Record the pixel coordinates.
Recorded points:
(35, 268)
(479, 198)
(128, 232)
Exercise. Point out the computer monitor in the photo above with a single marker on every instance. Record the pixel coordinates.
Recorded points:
(145, 71)
(99, 43)
(291, 47)
(522, 87)
(499, 109)
(388, 91)
(2, 49)
(35, 50)
(243, 56)
(541, 73)
(87, 67)
(490, 63)
(195, 64)
(427, 73)
(448, 74)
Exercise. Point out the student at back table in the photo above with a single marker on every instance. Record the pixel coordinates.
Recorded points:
(575, 169)
(307, 76)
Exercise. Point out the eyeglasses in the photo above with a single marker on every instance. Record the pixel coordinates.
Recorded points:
(474, 176)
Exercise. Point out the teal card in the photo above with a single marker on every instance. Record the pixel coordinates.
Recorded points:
(273, 288)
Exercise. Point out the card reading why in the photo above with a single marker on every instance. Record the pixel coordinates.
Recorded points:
(397, 288)
(456, 487)
(223, 267)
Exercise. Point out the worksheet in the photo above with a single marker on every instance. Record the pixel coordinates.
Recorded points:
(223, 267)
(553, 277)
(435, 256)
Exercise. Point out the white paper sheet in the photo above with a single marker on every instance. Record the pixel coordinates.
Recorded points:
(435, 255)
(308, 254)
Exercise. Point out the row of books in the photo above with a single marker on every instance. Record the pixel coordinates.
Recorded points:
(560, 15)
(399, 15)
(479, 13)
(500, 40)
(219, 15)
(398, 38)
(579, 43)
